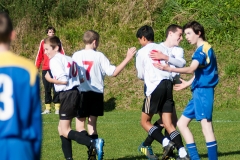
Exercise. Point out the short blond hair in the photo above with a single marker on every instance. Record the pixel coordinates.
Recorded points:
(89, 36)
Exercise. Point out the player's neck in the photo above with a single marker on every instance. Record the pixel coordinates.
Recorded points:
(200, 42)
(89, 47)
(168, 44)
(4, 48)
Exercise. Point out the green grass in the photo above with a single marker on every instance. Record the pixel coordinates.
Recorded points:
(122, 133)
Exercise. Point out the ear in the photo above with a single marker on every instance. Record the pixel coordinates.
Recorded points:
(13, 35)
(56, 48)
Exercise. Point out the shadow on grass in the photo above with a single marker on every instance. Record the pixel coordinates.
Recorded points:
(140, 157)
(110, 104)
(220, 154)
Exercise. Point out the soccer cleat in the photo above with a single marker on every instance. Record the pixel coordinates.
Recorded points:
(167, 150)
(147, 151)
(184, 158)
(56, 111)
(99, 143)
(91, 153)
(46, 111)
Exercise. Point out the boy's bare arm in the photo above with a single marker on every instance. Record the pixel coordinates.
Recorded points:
(130, 53)
(55, 81)
(183, 85)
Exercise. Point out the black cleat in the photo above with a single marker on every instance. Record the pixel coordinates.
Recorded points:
(167, 150)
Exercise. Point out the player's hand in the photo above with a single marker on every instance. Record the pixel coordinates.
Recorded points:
(157, 55)
(131, 52)
(164, 67)
(183, 85)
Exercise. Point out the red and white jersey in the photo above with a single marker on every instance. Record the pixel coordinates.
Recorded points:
(176, 56)
(95, 65)
(63, 68)
(146, 70)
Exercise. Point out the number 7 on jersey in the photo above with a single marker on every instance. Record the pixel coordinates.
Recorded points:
(88, 69)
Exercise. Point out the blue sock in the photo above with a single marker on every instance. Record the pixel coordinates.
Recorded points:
(212, 150)
(192, 150)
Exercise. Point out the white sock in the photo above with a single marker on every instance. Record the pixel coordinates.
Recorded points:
(165, 142)
(182, 152)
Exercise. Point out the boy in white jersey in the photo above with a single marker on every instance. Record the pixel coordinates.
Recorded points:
(158, 94)
(200, 107)
(174, 55)
(65, 74)
(95, 66)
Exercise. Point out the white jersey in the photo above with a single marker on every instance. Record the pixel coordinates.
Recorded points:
(176, 56)
(146, 70)
(95, 65)
(63, 68)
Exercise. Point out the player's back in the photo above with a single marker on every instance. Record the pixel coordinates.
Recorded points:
(20, 106)
(95, 65)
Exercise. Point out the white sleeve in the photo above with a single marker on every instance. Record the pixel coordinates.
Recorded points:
(57, 70)
(139, 66)
(106, 66)
(178, 59)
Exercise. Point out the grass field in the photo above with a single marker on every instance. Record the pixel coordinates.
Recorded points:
(122, 133)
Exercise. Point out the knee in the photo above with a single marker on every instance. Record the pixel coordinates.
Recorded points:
(181, 125)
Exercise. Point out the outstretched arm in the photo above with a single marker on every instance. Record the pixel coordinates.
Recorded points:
(184, 70)
(130, 53)
(183, 85)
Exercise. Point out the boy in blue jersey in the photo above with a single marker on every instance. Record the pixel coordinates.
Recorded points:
(200, 107)
(66, 81)
(20, 104)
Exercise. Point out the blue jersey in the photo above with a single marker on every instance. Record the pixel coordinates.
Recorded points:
(206, 75)
(20, 103)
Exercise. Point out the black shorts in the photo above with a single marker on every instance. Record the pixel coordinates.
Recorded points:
(69, 101)
(91, 104)
(161, 99)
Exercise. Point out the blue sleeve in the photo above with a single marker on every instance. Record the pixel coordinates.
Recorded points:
(200, 57)
(37, 118)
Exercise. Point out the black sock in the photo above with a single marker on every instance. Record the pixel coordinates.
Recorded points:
(156, 133)
(94, 136)
(80, 137)
(177, 139)
(84, 132)
(148, 141)
(66, 147)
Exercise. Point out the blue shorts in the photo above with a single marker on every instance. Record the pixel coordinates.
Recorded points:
(201, 105)
(13, 148)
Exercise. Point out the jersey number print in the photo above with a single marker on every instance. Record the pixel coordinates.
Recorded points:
(6, 100)
(89, 66)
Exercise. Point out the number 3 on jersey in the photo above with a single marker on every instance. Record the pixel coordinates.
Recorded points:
(6, 101)
(88, 69)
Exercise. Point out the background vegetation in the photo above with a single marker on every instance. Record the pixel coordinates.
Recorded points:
(117, 22)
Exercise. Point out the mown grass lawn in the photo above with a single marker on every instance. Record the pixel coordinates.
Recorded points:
(122, 133)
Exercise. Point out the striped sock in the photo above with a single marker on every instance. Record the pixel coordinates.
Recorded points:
(212, 150)
(192, 150)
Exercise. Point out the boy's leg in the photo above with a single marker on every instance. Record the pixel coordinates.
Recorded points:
(154, 132)
(47, 90)
(92, 127)
(210, 139)
(66, 144)
(187, 135)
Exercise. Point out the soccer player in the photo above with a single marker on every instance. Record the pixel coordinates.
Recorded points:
(20, 103)
(66, 81)
(95, 66)
(200, 107)
(174, 55)
(159, 98)
(43, 58)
